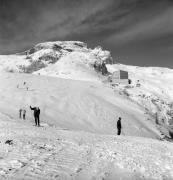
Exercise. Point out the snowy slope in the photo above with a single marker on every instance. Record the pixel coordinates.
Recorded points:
(50, 153)
(77, 138)
(76, 65)
(155, 91)
(75, 105)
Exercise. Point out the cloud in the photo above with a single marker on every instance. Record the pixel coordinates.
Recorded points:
(24, 22)
(127, 27)
(150, 27)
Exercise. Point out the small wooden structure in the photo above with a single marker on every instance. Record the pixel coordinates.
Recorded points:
(120, 74)
(119, 77)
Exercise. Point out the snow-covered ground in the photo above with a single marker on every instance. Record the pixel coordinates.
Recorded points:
(75, 105)
(77, 138)
(154, 93)
(52, 153)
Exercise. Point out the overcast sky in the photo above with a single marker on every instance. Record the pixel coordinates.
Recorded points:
(137, 32)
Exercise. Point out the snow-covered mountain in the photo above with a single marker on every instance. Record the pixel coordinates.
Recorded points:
(73, 60)
(79, 110)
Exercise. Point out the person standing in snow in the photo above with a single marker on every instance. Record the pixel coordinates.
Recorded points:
(119, 126)
(24, 114)
(20, 113)
(36, 115)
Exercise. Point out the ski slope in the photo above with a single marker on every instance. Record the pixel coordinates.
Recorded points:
(74, 105)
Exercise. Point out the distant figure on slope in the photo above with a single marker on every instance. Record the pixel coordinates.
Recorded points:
(36, 115)
(20, 113)
(24, 114)
(119, 126)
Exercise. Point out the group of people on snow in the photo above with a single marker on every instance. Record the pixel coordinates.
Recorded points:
(22, 114)
(24, 86)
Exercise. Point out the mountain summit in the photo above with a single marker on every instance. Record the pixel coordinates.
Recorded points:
(66, 59)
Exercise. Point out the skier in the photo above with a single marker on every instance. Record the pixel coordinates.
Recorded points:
(20, 113)
(119, 126)
(36, 115)
(24, 114)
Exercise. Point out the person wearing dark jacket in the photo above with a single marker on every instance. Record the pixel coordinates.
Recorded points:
(119, 126)
(36, 115)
